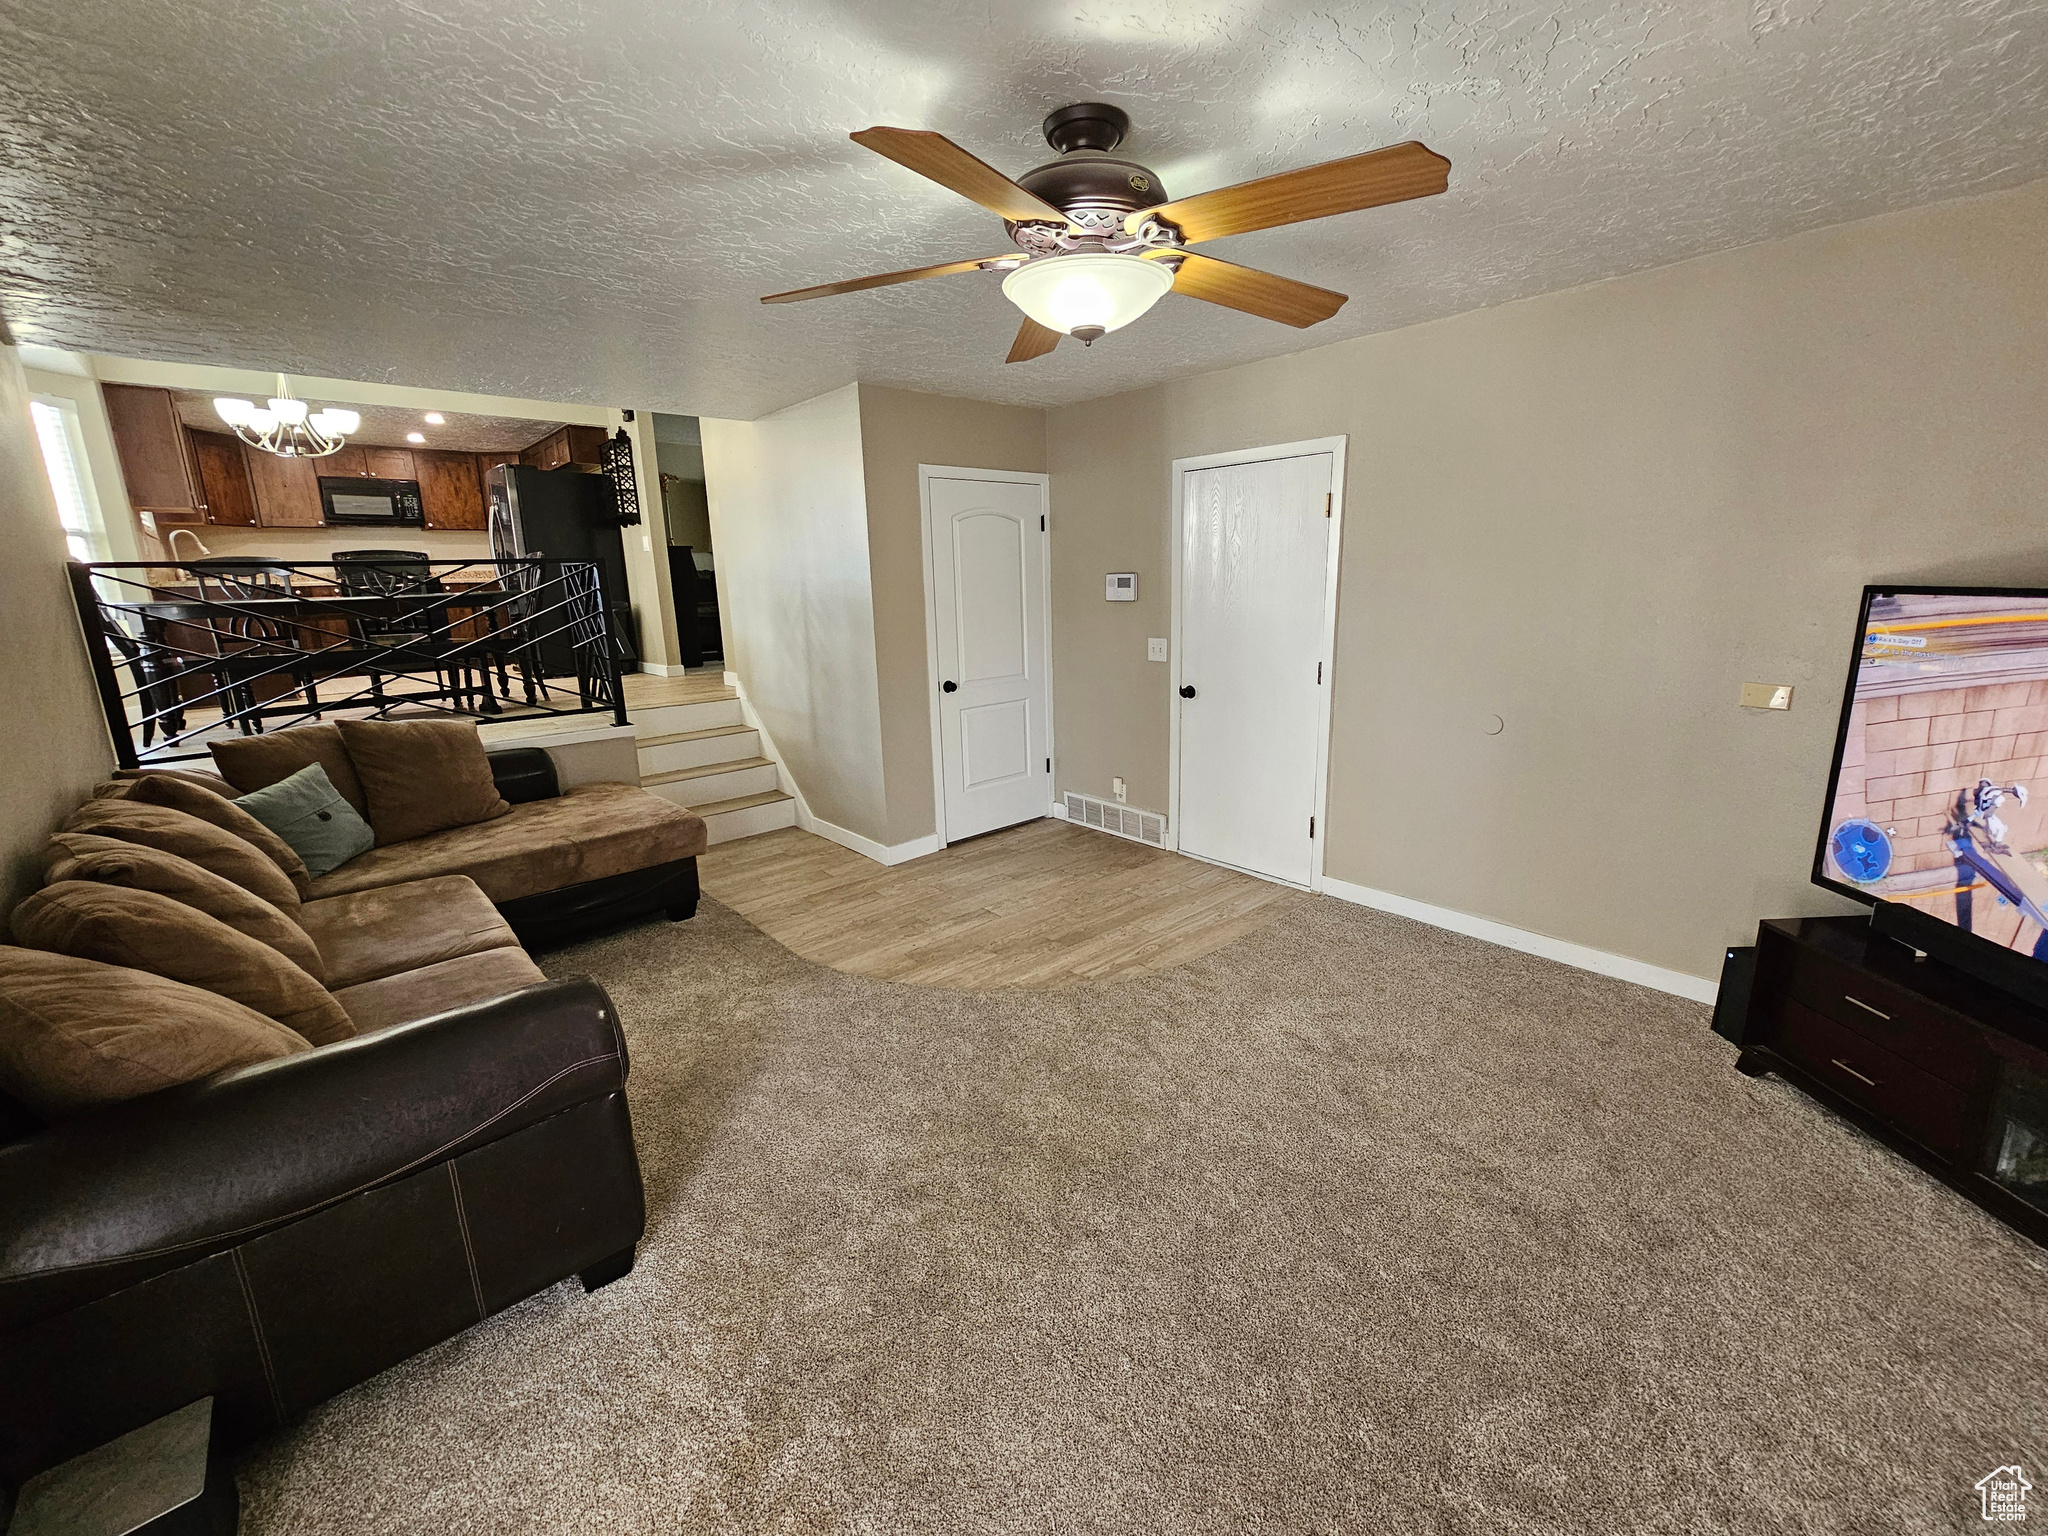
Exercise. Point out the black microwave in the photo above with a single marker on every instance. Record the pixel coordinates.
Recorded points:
(370, 503)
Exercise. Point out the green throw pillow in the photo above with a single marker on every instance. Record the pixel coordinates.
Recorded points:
(307, 811)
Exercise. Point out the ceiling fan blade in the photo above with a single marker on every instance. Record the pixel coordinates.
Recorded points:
(1033, 340)
(1254, 292)
(1391, 175)
(881, 280)
(938, 158)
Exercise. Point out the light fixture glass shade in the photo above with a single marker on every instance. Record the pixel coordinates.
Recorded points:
(233, 412)
(287, 410)
(341, 421)
(1089, 292)
(261, 422)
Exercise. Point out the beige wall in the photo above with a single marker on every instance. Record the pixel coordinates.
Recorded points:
(1597, 514)
(789, 517)
(900, 430)
(56, 732)
(646, 548)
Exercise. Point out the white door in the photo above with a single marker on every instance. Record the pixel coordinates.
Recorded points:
(1255, 562)
(988, 544)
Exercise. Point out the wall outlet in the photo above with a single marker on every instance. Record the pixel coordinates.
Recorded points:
(1155, 650)
(1116, 787)
(1766, 695)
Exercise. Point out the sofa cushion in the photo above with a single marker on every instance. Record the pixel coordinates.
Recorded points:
(251, 763)
(82, 856)
(156, 826)
(153, 933)
(77, 1034)
(305, 810)
(586, 833)
(216, 809)
(199, 776)
(371, 934)
(437, 988)
(421, 776)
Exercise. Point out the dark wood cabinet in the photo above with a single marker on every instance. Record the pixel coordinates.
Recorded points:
(569, 445)
(550, 452)
(224, 486)
(287, 491)
(389, 464)
(358, 462)
(1945, 1068)
(149, 440)
(451, 490)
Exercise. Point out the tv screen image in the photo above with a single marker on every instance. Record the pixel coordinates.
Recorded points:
(1938, 797)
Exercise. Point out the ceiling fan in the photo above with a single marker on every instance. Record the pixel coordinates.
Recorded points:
(1100, 243)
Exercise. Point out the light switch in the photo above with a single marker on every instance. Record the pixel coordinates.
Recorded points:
(647, 543)
(1766, 695)
(1116, 787)
(1155, 650)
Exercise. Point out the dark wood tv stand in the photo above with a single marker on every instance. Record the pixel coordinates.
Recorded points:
(1948, 1070)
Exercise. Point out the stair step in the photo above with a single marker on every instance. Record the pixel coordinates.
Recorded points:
(661, 720)
(747, 815)
(645, 742)
(714, 781)
(697, 749)
(708, 770)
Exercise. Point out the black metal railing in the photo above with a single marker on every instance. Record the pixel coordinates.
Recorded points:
(186, 652)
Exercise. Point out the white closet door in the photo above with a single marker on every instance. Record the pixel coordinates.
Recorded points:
(988, 580)
(1255, 557)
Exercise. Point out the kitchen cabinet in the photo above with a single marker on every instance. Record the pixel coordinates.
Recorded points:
(149, 440)
(451, 491)
(223, 470)
(569, 445)
(356, 462)
(287, 491)
(550, 452)
(389, 464)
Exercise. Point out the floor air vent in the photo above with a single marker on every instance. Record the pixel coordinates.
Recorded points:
(1107, 816)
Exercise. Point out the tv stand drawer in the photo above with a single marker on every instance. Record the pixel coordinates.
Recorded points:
(1890, 1018)
(1917, 1103)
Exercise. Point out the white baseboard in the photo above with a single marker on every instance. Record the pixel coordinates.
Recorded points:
(867, 847)
(1641, 972)
(661, 669)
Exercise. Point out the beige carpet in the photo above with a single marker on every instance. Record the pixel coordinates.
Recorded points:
(1353, 1226)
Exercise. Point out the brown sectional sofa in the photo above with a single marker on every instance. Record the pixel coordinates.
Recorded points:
(272, 1234)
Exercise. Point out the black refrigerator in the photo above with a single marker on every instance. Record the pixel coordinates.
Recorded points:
(556, 515)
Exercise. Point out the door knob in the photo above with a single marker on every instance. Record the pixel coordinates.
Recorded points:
(1187, 690)
(949, 686)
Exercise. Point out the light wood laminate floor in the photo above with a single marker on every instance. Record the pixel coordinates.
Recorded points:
(1043, 905)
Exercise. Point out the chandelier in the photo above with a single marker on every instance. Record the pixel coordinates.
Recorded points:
(283, 427)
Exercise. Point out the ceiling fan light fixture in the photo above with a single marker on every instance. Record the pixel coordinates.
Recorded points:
(1088, 294)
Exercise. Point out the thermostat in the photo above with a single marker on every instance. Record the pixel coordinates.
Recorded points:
(1120, 586)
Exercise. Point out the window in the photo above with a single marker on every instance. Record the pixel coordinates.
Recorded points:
(64, 457)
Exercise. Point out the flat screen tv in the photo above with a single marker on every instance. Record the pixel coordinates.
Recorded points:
(1938, 800)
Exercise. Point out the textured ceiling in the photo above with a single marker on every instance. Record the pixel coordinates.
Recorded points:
(385, 426)
(581, 199)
